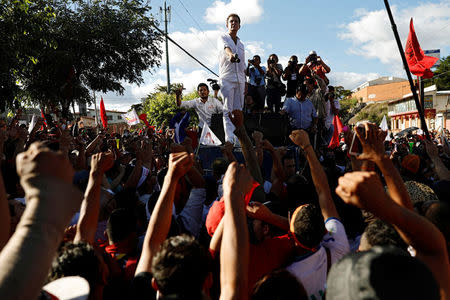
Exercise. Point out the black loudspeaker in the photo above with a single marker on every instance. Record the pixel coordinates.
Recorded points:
(275, 127)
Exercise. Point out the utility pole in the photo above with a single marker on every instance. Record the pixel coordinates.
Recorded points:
(166, 20)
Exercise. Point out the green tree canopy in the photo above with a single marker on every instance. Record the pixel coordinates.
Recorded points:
(87, 45)
(442, 74)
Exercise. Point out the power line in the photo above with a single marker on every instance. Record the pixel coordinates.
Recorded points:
(185, 51)
(186, 25)
(198, 25)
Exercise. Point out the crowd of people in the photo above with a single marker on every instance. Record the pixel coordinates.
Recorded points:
(135, 215)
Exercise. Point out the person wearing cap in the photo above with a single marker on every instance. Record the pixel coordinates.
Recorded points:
(319, 235)
(315, 65)
(231, 73)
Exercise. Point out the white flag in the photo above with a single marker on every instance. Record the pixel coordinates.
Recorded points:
(33, 122)
(131, 117)
(208, 137)
(383, 124)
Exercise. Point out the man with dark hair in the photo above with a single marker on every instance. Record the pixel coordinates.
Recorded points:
(319, 235)
(380, 233)
(256, 82)
(301, 112)
(181, 267)
(122, 236)
(204, 106)
(231, 73)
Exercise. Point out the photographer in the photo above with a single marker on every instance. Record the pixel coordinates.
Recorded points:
(256, 87)
(215, 86)
(292, 76)
(274, 88)
(315, 65)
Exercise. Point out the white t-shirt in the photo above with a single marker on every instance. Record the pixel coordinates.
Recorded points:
(330, 116)
(227, 69)
(311, 269)
(204, 110)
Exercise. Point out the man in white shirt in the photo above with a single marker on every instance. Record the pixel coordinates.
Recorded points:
(231, 73)
(204, 106)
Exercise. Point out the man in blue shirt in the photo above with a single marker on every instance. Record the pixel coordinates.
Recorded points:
(256, 83)
(301, 111)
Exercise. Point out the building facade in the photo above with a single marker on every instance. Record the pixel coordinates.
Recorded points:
(404, 114)
(114, 117)
(385, 88)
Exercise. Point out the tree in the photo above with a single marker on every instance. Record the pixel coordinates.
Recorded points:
(98, 46)
(160, 107)
(442, 74)
(341, 92)
(24, 31)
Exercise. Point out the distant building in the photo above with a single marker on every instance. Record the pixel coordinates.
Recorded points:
(114, 117)
(404, 114)
(382, 89)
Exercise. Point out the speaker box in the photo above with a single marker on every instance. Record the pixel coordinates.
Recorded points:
(275, 127)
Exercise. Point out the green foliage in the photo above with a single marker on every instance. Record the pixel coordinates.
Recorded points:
(347, 107)
(442, 74)
(373, 113)
(341, 92)
(58, 50)
(160, 107)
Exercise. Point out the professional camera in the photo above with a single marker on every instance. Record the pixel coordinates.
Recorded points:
(213, 83)
(251, 61)
(270, 61)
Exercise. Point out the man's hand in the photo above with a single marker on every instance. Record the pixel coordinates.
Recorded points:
(227, 147)
(300, 138)
(179, 91)
(237, 179)
(268, 146)
(257, 210)
(39, 160)
(372, 142)
(362, 189)
(431, 149)
(179, 164)
(237, 118)
(257, 137)
(102, 162)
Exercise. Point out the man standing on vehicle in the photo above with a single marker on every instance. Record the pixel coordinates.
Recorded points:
(231, 73)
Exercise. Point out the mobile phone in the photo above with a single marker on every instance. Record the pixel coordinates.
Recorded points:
(356, 147)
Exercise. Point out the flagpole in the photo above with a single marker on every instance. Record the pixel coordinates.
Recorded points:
(95, 106)
(408, 73)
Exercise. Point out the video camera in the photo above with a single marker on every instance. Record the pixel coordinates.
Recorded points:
(213, 83)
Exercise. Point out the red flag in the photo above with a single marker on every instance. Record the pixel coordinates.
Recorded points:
(337, 131)
(418, 63)
(143, 117)
(103, 114)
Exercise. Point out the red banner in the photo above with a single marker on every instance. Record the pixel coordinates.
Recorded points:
(418, 63)
(103, 114)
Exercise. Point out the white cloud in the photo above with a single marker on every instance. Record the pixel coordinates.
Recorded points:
(254, 48)
(350, 80)
(372, 36)
(203, 46)
(250, 11)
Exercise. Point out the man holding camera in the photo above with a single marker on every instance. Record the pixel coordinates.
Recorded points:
(256, 82)
(292, 76)
(204, 106)
(231, 73)
(315, 65)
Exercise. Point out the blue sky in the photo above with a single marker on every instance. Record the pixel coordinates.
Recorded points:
(353, 37)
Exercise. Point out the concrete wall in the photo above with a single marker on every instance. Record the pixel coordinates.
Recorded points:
(383, 92)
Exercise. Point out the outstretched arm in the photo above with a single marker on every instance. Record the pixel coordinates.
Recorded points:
(159, 225)
(372, 141)
(234, 250)
(46, 177)
(301, 139)
(364, 190)
(90, 207)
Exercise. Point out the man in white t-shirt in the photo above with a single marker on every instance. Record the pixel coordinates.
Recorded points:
(204, 106)
(320, 237)
(231, 73)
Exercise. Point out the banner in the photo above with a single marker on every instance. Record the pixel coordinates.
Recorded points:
(208, 137)
(32, 123)
(131, 117)
(337, 131)
(418, 63)
(103, 114)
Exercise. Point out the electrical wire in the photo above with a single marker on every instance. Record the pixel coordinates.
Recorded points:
(198, 25)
